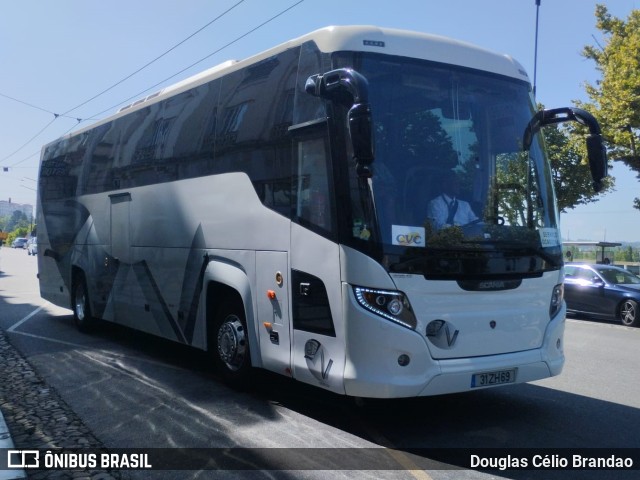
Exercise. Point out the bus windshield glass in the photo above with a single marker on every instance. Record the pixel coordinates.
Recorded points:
(453, 194)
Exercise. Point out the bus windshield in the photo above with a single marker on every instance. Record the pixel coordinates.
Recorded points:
(453, 195)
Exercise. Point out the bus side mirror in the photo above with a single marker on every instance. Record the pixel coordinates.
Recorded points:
(361, 138)
(597, 160)
(349, 88)
(596, 151)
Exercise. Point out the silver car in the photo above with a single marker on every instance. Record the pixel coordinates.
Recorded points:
(19, 242)
(32, 246)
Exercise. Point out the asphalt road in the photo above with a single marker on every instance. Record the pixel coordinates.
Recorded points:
(136, 391)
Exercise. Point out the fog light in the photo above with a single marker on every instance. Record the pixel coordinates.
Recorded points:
(403, 360)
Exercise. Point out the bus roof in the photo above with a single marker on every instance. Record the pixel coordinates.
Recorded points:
(359, 38)
(411, 44)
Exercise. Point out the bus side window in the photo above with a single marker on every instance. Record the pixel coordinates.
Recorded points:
(313, 201)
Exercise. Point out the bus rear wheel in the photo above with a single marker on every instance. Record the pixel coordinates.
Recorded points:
(231, 345)
(80, 304)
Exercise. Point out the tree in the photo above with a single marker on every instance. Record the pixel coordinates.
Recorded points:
(18, 219)
(615, 98)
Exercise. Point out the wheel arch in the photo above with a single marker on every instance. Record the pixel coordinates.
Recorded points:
(224, 282)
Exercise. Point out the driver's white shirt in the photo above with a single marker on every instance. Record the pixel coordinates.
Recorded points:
(438, 211)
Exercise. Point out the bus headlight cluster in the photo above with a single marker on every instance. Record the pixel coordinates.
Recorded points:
(388, 304)
(557, 296)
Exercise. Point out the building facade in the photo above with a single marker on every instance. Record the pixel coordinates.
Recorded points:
(8, 207)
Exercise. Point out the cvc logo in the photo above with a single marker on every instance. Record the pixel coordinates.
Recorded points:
(409, 239)
(408, 236)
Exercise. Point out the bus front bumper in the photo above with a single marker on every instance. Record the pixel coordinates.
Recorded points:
(374, 369)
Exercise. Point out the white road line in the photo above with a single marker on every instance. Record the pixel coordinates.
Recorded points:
(49, 339)
(16, 325)
(398, 456)
(82, 347)
(108, 353)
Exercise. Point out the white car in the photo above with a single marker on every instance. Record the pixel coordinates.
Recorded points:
(32, 246)
(19, 242)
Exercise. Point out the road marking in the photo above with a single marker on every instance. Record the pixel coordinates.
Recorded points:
(399, 456)
(410, 466)
(80, 346)
(107, 353)
(49, 339)
(16, 325)
(130, 371)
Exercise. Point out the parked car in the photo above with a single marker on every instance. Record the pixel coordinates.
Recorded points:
(19, 242)
(602, 291)
(32, 246)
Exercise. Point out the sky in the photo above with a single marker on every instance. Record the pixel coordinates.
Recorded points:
(63, 58)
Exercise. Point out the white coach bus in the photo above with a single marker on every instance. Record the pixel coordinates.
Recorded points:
(282, 213)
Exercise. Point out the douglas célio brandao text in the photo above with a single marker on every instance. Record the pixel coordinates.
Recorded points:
(575, 461)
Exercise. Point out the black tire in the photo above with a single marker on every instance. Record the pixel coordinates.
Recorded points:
(80, 305)
(629, 313)
(229, 345)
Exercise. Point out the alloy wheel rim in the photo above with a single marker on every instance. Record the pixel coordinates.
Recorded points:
(628, 313)
(232, 343)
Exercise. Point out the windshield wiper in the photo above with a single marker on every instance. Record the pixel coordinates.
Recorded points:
(526, 248)
(409, 266)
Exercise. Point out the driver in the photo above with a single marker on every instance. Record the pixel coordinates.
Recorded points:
(447, 209)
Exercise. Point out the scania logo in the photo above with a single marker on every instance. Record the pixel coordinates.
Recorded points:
(491, 285)
(442, 334)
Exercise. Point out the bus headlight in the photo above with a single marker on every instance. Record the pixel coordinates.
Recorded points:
(388, 304)
(557, 296)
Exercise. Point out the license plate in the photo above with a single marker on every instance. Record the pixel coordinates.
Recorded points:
(488, 379)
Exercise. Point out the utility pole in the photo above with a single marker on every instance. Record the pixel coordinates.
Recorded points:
(535, 54)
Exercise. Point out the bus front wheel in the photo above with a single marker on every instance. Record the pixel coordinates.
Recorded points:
(232, 345)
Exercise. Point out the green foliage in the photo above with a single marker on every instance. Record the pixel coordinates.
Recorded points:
(570, 167)
(622, 254)
(422, 137)
(615, 98)
(15, 225)
(16, 220)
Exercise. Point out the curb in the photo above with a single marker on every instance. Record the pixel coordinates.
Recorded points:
(7, 443)
(34, 416)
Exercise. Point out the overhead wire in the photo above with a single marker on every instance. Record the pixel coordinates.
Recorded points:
(34, 106)
(30, 140)
(155, 59)
(56, 116)
(65, 114)
(139, 94)
(38, 151)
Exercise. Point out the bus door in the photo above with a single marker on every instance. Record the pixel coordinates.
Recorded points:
(318, 353)
(273, 287)
(120, 259)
